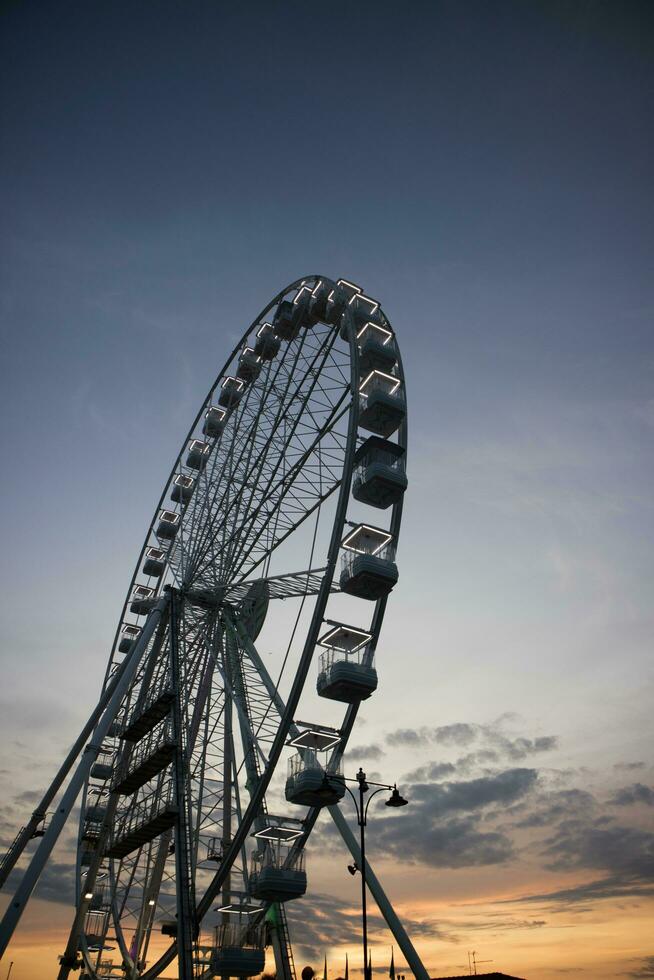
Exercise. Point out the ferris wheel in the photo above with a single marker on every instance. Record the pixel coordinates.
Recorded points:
(258, 598)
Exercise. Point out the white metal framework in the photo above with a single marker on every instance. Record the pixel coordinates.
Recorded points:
(256, 543)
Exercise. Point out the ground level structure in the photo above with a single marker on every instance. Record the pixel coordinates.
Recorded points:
(482, 976)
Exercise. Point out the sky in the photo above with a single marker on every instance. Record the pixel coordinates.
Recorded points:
(484, 169)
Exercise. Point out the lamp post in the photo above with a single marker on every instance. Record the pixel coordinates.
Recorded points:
(361, 807)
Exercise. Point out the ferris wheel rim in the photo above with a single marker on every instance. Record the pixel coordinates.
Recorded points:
(337, 528)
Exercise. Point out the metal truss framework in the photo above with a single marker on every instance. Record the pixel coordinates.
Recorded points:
(190, 727)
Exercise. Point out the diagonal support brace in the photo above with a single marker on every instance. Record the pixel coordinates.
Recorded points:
(342, 825)
(18, 903)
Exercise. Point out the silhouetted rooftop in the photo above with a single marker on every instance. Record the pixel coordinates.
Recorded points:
(487, 976)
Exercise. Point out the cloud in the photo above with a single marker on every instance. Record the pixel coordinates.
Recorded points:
(620, 850)
(473, 760)
(56, 882)
(459, 734)
(631, 795)
(629, 766)
(646, 969)
(583, 836)
(584, 841)
(441, 828)
(520, 748)
(372, 752)
(463, 735)
(496, 922)
(324, 920)
(30, 796)
(615, 886)
(432, 772)
(473, 794)
(453, 843)
(409, 736)
(560, 805)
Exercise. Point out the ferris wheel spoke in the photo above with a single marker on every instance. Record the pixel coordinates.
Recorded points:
(285, 490)
(210, 807)
(285, 450)
(280, 421)
(287, 586)
(261, 415)
(261, 551)
(232, 459)
(240, 707)
(304, 451)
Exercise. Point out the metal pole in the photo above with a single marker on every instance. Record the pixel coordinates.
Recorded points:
(364, 913)
(185, 906)
(17, 905)
(228, 761)
(380, 896)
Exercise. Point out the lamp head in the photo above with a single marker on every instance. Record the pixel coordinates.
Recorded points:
(396, 799)
(353, 868)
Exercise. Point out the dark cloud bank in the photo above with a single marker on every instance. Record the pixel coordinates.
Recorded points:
(494, 817)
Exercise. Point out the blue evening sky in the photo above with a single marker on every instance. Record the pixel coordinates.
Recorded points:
(485, 170)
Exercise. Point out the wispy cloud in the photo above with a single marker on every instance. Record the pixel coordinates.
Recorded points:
(632, 795)
(463, 735)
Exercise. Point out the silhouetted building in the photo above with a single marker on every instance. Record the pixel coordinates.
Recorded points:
(482, 976)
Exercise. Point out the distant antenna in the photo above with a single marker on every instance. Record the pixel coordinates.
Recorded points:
(475, 961)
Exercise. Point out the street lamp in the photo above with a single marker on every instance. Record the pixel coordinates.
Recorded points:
(361, 807)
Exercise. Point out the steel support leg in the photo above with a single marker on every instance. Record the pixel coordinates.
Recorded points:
(343, 827)
(185, 899)
(380, 897)
(17, 905)
(70, 958)
(251, 748)
(40, 812)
